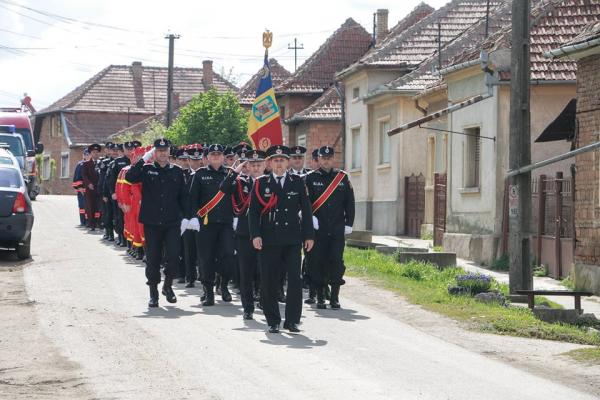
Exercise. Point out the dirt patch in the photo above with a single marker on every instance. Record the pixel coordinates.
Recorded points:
(30, 366)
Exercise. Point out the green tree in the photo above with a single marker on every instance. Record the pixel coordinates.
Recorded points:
(210, 117)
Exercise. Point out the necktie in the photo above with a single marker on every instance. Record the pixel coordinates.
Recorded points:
(280, 181)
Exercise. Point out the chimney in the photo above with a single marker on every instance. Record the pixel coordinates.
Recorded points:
(136, 70)
(382, 25)
(207, 73)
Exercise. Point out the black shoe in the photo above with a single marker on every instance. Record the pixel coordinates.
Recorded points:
(248, 316)
(321, 298)
(310, 300)
(190, 285)
(105, 236)
(335, 295)
(167, 291)
(153, 302)
(124, 243)
(209, 299)
(274, 328)
(181, 280)
(225, 295)
(291, 327)
(92, 229)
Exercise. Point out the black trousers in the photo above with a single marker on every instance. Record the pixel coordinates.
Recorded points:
(248, 267)
(81, 205)
(92, 209)
(108, 215)
(273, 261)
(158, 236)
(326, 260)
(215, 251)
(190, 255)
(118, 217)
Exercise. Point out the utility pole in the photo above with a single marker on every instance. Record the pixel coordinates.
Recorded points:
(296, 48)
(519, 246)
(171, 38)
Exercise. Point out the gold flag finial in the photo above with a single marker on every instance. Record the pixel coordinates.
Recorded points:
(267, 39)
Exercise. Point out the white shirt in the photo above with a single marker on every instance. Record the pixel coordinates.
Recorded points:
(281, 176)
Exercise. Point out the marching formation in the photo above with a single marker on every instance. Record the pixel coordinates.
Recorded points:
(257, 221)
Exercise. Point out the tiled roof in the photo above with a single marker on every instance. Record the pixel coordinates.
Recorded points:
(278, 74)
(327, 107)
(114, 89)
(414, 45)
(424, 76)
(554, 22)
(590, 32)
(143, 125)
(346, 45)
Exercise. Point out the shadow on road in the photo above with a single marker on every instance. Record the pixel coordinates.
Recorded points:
(292, 340)
(169, 312)
(222, 309)
(343, 314)
(8, 259)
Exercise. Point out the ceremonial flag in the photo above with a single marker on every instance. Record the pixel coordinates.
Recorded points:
(264, 124)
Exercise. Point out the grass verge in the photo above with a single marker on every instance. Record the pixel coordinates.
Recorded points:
(427, 286)
(589, 356)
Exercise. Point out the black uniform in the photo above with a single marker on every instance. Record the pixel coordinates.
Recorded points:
(282, 232)
(215, 239)
(161, 212)
(247, 255)
(190, 252)
(107, 210)
(111, 180)
(326, 265)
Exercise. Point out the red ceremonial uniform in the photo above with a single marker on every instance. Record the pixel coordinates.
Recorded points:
(123, 193)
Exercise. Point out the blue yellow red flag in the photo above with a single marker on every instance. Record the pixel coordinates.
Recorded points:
(264, 124)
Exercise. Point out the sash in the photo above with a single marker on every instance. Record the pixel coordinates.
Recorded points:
(328, 192)
(205, 209)
(267, 205)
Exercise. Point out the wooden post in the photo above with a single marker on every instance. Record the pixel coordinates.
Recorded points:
(558, 225)
(541, 216)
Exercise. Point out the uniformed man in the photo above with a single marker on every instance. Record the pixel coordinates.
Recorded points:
(190, 257)
(210, 201)
(80, 187)
(247, 254)
(314, 160)
(229, 156)
(107, 209)
(161, 212)
(332, 199)
(123, 160)
(90, 177)
(297, 158)
(280, 225)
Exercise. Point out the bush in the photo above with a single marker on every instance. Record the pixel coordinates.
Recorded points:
(418, 271)
(475, 283)
(501, 264)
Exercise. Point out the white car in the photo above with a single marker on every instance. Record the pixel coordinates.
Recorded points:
(7, 158)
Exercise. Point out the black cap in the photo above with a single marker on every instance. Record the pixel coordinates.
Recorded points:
(229, 151)
(216, 148)
(137, 143)
(297, 151)
(162, 143)
(326, 151)
(181, 154)
(315, 154)
(119, 146)
(255, 155)
(278, 151)
(109, 145)
(94, 146)
(129, 145)
(195, 153)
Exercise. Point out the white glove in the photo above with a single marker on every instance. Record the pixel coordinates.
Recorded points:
(315, 223)
(194, 225)
(184, 225)
(148, 154)
(235, 222)
(347, 230)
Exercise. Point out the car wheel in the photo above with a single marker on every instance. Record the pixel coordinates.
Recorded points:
(24, 250)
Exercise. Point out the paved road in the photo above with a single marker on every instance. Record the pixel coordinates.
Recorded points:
(90, 303)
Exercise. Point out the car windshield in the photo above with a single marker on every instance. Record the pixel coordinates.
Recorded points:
(26, 135)
(10, 178)
(15, 144)
(6, 160)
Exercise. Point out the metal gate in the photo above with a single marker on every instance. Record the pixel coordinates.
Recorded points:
(439, 209)
(415, 204)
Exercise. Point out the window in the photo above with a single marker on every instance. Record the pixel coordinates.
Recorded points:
(356, 150)
(10, 178)
(64, 165)
(46, 168)
(384, 142)
(301, 140)
(472, 157)
(355, 93)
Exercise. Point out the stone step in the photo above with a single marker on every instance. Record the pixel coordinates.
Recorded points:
(399, 249)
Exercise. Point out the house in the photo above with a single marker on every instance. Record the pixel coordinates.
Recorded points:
(476, 191)
(311, 87)
(247, 93)
(388, 173)
(117, 97)
(585, 50)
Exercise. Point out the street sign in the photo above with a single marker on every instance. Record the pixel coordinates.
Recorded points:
(513, 200)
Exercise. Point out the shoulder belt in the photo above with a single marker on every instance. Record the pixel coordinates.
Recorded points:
(328, 192)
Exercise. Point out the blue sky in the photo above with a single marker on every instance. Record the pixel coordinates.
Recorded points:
(49, 47)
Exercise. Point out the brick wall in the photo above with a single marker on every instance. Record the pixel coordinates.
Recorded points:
(290, 105)
(322, 133)
(54, 145)
(587, 210)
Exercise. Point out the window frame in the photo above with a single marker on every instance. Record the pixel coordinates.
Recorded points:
(383, 137)
(472, 144)
(356, 159)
